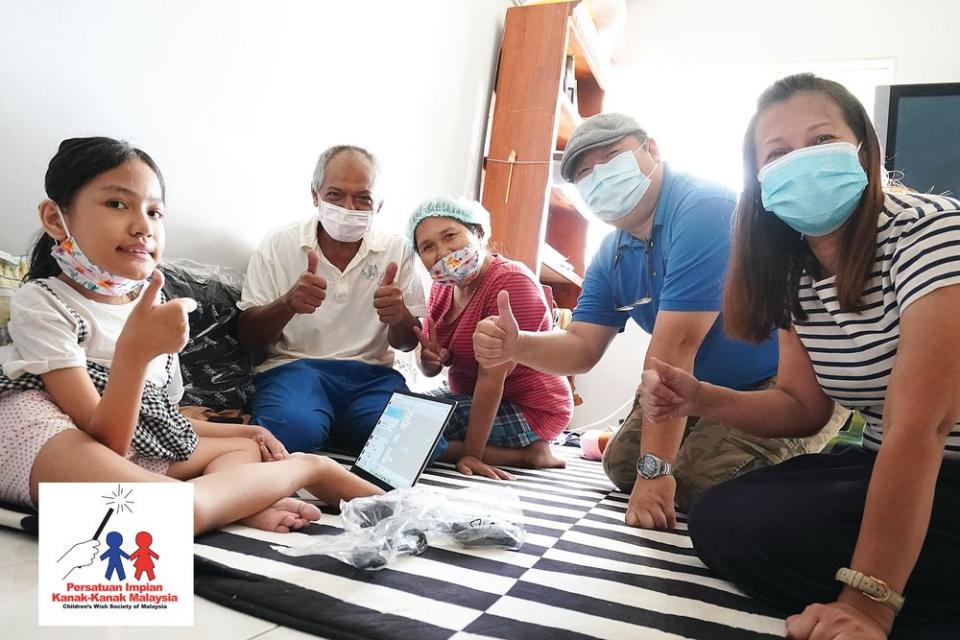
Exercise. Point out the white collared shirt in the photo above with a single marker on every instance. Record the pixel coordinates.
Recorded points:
(346, 325)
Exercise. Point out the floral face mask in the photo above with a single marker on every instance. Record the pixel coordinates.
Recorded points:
(82, 270)
(457, 267)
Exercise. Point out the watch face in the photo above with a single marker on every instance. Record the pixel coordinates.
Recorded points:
(649, 466)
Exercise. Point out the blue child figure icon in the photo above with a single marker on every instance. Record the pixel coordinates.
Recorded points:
(113, 556)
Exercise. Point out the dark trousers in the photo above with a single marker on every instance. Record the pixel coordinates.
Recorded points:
(781, 533)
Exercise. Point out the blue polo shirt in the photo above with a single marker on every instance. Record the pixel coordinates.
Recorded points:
(682, 268)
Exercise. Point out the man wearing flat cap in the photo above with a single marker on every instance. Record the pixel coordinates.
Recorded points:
(663, 266)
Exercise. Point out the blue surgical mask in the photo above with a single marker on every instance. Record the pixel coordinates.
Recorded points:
(814, 189)
(614, 188)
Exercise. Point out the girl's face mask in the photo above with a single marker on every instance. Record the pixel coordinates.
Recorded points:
(458, 267)
(79, 268)
(814, 189)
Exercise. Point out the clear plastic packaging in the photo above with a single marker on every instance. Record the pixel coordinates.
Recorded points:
(377, 529)
(371, 548)
(415, 503)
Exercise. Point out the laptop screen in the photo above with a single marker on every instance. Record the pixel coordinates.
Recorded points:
(404, 438)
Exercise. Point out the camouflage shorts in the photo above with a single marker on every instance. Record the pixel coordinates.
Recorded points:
(710, 453)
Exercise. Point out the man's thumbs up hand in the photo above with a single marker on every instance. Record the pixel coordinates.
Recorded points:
(388, 298)
(309, 291)
(496, 338)
(313, 259)
(389, 275)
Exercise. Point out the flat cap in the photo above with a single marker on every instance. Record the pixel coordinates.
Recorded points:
(596, 131)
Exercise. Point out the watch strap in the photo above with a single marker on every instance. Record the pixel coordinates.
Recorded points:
(664, 468)
(874, 588)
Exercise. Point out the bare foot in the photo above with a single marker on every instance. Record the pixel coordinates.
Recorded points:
(539, 456)
(283, 516)
(333, 483)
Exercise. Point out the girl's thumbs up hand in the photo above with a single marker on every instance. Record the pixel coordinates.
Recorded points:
(155, 328)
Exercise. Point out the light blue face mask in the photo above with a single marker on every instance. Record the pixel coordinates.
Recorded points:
(814, 189)
(614, 188)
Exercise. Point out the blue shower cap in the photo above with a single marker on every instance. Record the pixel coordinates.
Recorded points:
(468, 212)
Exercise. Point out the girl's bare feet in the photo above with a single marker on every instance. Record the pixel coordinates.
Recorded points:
(283, 516)
(539, 456)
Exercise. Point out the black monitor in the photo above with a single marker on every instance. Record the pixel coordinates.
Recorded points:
(919, 128)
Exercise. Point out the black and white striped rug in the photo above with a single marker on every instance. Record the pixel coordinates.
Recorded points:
(20, 518)
(581, 574)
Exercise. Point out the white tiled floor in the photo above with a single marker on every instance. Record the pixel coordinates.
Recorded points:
(18, 608)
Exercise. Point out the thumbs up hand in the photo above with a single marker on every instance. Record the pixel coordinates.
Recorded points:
(309, 291)
(496, 338)
(388, 298)
(155, 328)
(667, 392)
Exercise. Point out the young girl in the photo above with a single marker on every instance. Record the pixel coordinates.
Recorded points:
(506, 415)
(88, 391)
(864, 285)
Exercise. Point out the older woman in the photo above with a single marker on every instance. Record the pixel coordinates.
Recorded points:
(508, 414)
(863, 285)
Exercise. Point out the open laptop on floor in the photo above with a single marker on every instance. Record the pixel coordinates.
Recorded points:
(400, 446)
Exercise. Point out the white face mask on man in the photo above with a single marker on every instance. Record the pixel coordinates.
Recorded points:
(344, 225)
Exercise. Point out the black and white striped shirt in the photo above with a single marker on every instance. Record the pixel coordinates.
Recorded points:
(918, 251)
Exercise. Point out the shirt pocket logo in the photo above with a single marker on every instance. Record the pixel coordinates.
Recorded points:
(371, 271)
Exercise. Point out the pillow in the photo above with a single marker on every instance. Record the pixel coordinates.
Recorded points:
(217, 369)
(12, 271)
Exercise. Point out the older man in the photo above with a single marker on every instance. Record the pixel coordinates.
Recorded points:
(327, 297)
(663, 267)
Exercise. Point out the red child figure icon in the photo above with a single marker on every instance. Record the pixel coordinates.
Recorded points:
(143, 557)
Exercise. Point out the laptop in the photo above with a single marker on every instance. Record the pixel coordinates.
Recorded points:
(400, 445)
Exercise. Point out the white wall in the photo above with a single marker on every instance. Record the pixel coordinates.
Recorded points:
(235, 100)
(690, 71)
(920, 34)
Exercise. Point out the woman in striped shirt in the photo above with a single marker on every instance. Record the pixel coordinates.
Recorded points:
(506, 415)
(863, 284)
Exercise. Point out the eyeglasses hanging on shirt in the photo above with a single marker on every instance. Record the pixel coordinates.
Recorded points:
(646, 294)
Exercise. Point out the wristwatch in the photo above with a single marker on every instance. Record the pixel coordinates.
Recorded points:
(874, 588)
(650, 466)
